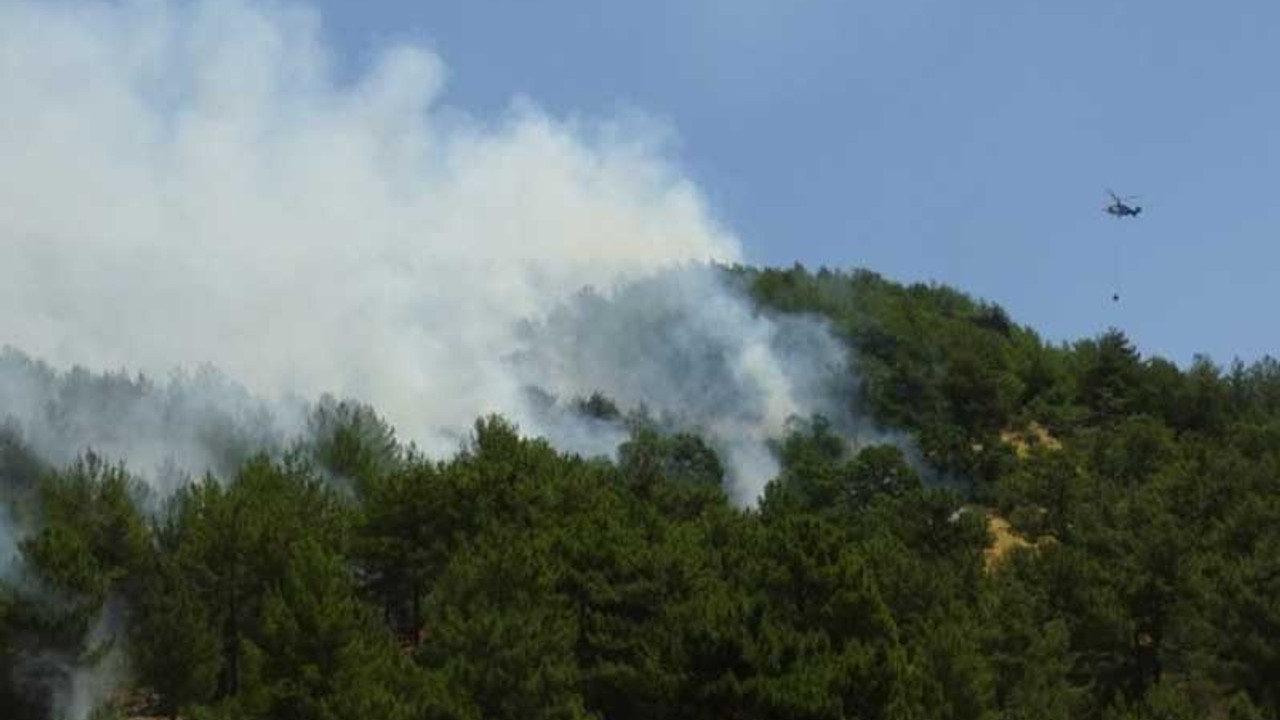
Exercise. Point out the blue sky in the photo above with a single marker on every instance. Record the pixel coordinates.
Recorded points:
(965, 143)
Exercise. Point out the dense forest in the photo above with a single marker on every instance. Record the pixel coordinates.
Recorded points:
(1073, 531)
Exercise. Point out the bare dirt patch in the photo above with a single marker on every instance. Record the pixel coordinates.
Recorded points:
(1033, 435)
(1005, 540)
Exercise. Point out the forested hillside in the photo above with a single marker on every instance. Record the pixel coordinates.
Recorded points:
(1064, 531)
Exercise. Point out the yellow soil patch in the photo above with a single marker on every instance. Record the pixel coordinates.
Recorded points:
(1005, 540)
(1033, 435)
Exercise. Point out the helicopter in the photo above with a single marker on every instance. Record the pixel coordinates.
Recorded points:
(1119, 208)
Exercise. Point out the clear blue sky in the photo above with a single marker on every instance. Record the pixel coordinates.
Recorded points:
(967, 143)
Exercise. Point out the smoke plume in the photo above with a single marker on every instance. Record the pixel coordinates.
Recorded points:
(188, 184)
(683, 342)
(192, 424)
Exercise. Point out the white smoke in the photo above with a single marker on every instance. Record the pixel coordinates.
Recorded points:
(684, 343)
(187, 183)
(8, 543)
(80, 683)
(190, 425)
(86, 683)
